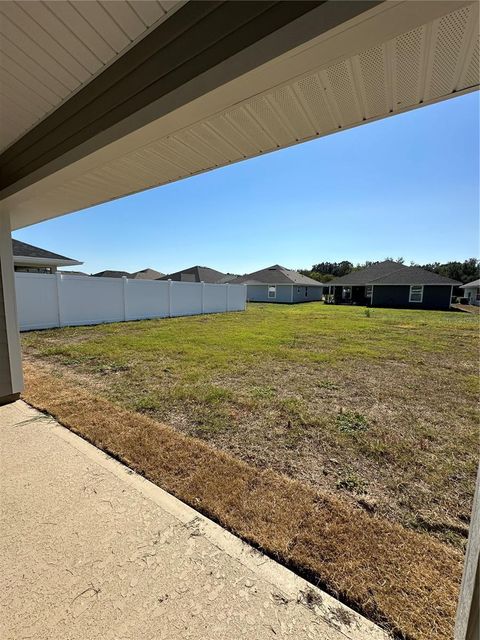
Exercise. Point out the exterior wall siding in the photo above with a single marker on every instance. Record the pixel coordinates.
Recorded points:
(434, 297)
(471, 293)
(286, 293)
(307, 293)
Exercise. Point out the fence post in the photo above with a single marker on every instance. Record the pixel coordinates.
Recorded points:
(203, 297)
(170, 284)
(124, 293)
(58, 278)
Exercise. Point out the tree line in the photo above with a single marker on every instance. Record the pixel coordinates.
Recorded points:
(464, 272)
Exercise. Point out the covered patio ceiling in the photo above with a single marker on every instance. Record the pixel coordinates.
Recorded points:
(104, 99)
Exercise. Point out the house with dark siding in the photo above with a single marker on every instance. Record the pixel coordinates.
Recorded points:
(392, 284)
(278, 284)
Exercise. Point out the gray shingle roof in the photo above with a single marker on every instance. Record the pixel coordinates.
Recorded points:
(197, 274)
(108, 273)
(389, 272)
(73, 273)
(146, 274)
(475, 283)
(276, 274)
(24, 250)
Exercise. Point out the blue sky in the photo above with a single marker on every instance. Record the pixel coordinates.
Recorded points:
(404, 186)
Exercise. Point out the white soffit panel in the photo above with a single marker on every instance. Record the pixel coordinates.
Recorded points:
(50, 49)
(417, 67)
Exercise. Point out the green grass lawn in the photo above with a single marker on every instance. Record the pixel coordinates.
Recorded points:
(382, 408)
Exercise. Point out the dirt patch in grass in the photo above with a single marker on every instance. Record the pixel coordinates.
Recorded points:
(404, 580)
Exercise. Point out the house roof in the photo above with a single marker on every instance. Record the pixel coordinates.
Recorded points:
(390, 272)
(32, 254)
(276, 274)
(475, 283)
(146, 274)
(108, 273)
(197, 274)
(73, 273)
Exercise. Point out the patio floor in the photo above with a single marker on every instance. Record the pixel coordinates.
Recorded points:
(92, 550)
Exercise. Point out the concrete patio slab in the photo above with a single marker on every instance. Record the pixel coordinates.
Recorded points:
(90, 550)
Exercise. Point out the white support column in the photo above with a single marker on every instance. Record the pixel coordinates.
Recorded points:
(203, 297)
(11, 378)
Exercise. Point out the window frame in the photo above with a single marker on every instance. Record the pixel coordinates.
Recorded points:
(414, 290)
(272, 288)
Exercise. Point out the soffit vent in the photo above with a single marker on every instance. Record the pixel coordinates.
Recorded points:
(449, 37)
(470, 77)
(408, 53)
(373, 81)
(341, 89)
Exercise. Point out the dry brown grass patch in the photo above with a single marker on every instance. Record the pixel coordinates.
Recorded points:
(404, 580)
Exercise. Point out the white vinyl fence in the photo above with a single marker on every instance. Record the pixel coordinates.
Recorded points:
(57, 300)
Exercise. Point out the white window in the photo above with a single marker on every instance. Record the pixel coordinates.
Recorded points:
(416, 293)
(368, 291)
(272, 291)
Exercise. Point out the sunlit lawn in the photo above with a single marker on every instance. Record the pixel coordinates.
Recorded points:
(382, 408)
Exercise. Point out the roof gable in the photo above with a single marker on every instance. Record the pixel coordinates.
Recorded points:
(110, 273)
(146, 274)
(196, 274)
(276, 274)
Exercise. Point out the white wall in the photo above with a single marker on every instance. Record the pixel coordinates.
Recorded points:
(57, 300)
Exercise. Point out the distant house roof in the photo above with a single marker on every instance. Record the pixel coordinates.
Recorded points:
(276, 274)
(390, 272)
(108, 273)
(146, 274)
(73, 273)
(474, 284)
(25, 252)
(197, 274)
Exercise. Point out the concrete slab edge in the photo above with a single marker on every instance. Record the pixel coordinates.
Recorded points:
(290, 585)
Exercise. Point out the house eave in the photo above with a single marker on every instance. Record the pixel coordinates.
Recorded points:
(47, 262)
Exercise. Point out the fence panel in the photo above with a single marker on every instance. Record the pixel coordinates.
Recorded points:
(214, 298)
(37, 301)
(186, 299)
(146, 299)
(237, 295)
(90, 300)
(46, 301)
